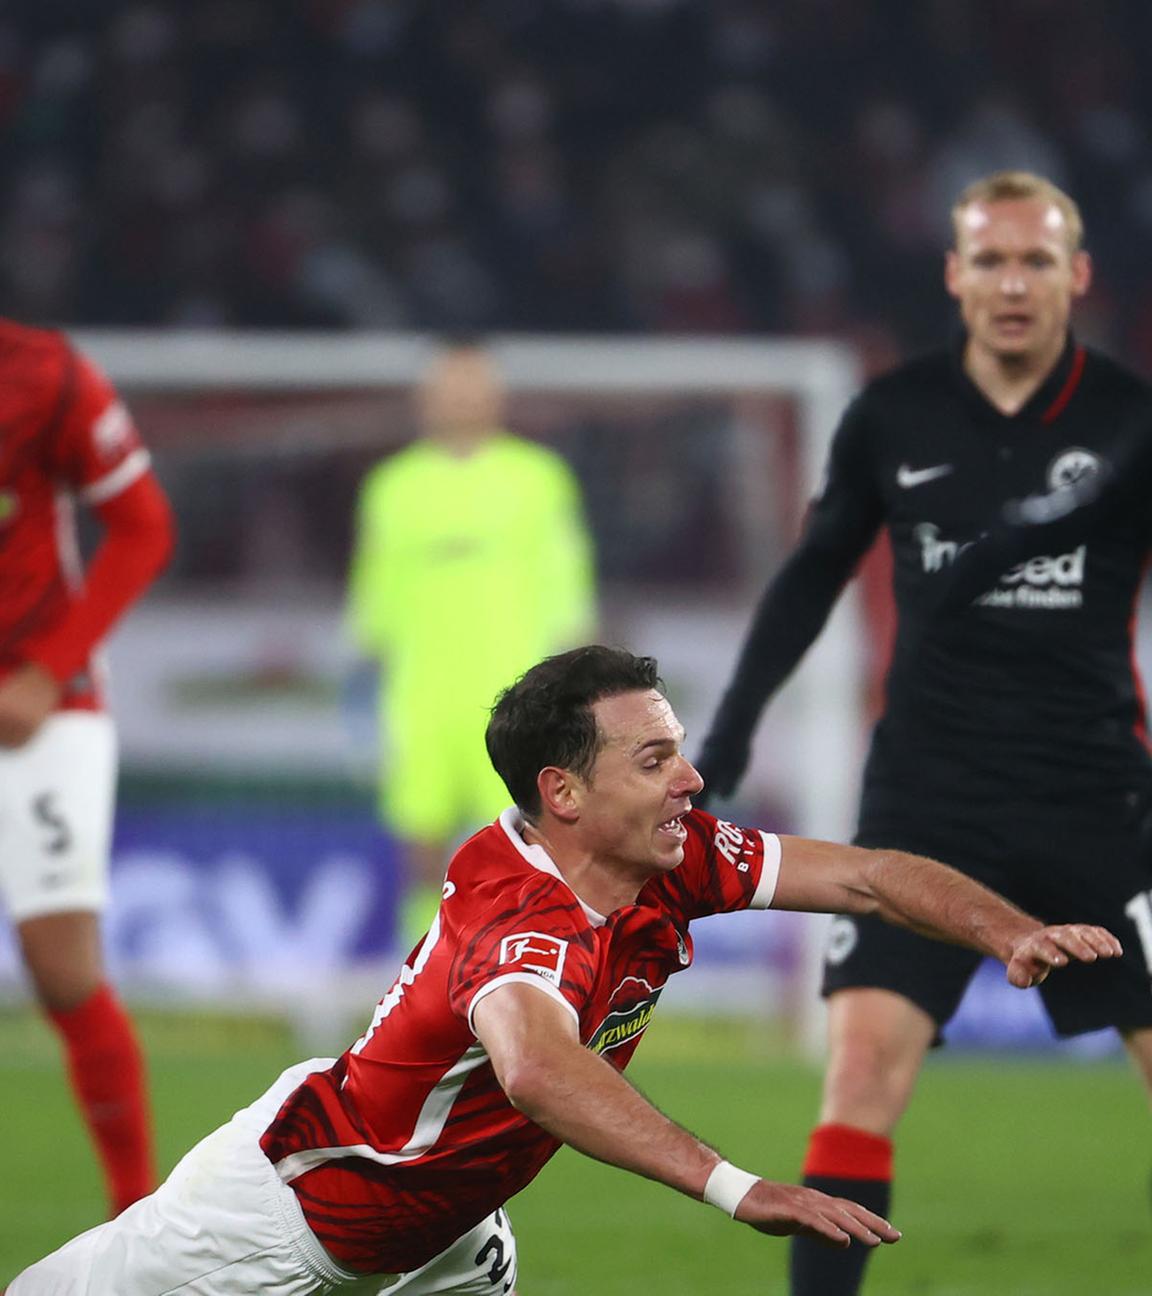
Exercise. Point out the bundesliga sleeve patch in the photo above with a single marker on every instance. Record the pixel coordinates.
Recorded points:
(535, 952)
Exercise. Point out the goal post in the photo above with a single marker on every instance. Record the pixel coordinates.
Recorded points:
(770, 406)
(818, 376)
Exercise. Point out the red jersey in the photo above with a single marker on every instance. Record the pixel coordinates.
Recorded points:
(65, 437)
(408, 1140)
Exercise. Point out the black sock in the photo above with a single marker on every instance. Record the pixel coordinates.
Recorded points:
(820, 1270)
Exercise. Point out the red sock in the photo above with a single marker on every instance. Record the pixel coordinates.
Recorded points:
(107, 1074)
(846, 1162)
(843, 1152)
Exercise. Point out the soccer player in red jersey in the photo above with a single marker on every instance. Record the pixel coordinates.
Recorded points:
(508, 1028)
(65, 438)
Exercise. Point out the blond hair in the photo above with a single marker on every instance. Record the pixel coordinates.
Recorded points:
(1012, 186)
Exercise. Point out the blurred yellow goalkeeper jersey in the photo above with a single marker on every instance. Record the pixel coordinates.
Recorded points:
(467, 570)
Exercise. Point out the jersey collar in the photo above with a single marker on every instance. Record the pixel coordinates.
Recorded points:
(512, 822)
(1047, 402)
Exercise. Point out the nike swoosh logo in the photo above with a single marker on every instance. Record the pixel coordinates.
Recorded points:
(907, 477)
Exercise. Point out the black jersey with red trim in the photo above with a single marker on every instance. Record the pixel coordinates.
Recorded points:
(1028, 692)
(407, 1141)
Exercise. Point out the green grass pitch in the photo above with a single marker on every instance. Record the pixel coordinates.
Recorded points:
(1016, 1177)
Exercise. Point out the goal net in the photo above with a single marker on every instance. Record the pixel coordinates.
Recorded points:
(248, 863)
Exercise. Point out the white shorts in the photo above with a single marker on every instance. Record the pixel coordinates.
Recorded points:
(56, 799)
(224, 1223)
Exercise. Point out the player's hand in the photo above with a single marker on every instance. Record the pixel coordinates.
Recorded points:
(786, 1209)
(27, 698)
(1036, 954)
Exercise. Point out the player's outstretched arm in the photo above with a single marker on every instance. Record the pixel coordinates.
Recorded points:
(790, 615)
(935, 900)
(579, 1098)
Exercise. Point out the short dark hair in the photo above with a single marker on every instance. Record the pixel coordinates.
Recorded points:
(546, 718)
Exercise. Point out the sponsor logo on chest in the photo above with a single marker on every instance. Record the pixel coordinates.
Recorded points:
(1047, 581)
(622, 1025)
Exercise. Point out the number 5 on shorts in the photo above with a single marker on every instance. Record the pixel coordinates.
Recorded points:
(47, 814)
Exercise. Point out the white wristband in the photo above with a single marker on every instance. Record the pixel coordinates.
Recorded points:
(727, 1186)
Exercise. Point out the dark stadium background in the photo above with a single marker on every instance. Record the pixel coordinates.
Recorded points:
(591, 165)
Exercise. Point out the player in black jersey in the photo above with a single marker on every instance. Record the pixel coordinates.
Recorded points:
(1012, 742)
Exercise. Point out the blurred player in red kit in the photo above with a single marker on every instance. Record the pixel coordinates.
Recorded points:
(65, 438)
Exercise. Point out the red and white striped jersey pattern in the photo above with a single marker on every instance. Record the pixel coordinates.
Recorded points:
(408, 1139)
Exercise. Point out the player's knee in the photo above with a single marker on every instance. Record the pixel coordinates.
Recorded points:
(869, 1077)
(859, 1063)
(65, 989)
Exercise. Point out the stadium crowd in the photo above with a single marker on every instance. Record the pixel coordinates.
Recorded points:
(658, 165)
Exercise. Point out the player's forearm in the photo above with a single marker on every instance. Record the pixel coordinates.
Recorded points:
(136, 545)
(938, 901)
(583, 1101)
(790, 615)
(907, 890)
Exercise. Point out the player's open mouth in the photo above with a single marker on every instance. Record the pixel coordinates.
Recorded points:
(674, 828)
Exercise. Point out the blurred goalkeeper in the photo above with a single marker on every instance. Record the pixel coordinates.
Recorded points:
(506, 1033)
(1013, 475)
(471, 562)
(65, 439)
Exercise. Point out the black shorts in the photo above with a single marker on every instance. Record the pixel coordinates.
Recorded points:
(1057, 869)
